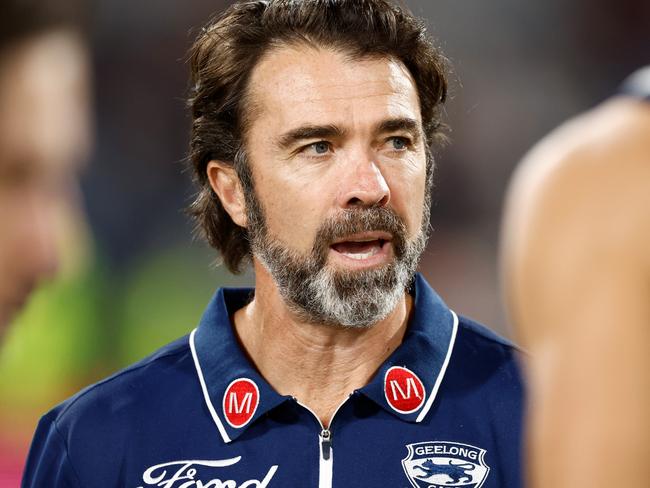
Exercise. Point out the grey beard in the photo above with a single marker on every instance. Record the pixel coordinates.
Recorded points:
(322, 295)
(316, 293)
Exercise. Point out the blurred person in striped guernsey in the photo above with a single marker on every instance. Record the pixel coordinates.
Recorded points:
(44, 138)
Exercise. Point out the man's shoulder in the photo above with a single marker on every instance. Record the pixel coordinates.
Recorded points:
(133, 389)
(484, 361)
(477, 333)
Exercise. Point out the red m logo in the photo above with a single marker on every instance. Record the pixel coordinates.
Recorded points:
(404, 391)
(240, 402)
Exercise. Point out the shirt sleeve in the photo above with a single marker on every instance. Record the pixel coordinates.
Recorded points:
(48, 463)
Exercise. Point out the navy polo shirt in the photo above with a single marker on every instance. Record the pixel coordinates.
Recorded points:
(444, 410)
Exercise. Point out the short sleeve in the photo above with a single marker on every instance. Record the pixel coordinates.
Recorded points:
(48, 463)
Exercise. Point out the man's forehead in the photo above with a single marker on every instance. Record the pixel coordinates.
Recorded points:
(310, 82)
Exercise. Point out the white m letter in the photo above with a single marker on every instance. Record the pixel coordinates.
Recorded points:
(233, 404)
(410, 385)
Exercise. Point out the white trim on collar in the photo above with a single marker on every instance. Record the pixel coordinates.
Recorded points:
(423, 413)
(206, 395)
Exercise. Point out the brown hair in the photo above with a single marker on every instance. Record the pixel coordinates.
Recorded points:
(228, 48)
(23, 19)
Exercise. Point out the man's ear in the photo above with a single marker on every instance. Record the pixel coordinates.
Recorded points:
(225, 183)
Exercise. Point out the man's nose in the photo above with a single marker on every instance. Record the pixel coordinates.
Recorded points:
(363, 185)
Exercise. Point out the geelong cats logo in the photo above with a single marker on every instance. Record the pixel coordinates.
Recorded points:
(445, 464)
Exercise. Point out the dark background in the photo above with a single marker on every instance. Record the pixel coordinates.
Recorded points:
(520, 69)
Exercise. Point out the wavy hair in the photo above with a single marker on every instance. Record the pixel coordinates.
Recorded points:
(229, 47)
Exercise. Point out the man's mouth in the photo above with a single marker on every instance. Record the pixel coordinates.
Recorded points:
(361, 247)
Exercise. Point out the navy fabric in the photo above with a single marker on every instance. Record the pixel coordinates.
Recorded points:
(161, 422)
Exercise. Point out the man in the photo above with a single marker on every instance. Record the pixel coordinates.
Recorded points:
(577, 269)
(311, 129)
(43, 139)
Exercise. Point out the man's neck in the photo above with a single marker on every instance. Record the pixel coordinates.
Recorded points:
(319, 365)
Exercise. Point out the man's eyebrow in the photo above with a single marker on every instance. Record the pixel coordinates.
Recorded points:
(400, 124)
(329, 131)
(298, 134)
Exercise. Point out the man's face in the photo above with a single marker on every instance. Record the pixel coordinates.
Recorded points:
(338, 160)
(43, 140)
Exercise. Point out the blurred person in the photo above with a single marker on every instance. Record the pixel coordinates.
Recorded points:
(312, 127)
(576, 267)
(44, 138)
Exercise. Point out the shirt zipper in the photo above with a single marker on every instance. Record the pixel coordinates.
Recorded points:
(325, 444)
(326, 461)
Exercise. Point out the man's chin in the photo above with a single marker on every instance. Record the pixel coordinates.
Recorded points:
(11, 307)
(6, 316)
(356, 299)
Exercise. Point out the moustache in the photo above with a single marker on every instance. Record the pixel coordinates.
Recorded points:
(355, 221)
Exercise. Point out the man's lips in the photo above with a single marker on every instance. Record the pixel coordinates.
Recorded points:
(363, 246)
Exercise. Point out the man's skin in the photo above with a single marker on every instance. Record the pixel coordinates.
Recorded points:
(44, 136)
(302, 183)
(576, 259)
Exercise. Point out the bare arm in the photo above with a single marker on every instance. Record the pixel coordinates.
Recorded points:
(576, 267)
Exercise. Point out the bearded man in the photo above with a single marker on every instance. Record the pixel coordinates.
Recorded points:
(312, 128)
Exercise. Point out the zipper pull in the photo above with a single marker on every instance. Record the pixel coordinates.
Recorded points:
(326, 443)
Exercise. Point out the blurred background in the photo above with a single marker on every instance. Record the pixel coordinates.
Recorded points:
(520, 68)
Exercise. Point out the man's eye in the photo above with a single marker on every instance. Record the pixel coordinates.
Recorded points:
(399, 143)
(320, 147)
